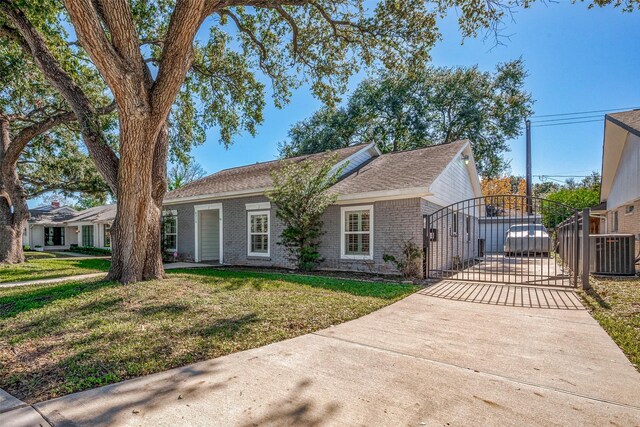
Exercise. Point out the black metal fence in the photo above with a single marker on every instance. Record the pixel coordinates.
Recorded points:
(503, 239)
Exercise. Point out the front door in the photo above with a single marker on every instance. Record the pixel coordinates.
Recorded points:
(209, 233)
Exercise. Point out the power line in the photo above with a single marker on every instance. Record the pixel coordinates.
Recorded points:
(567, 123)
(588, 112)
(600, 116)
(562, 176)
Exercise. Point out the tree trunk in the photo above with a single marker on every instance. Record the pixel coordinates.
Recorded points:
(11, 229)
(14, 211)
(136, 229)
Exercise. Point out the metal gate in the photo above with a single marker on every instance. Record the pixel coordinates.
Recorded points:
(503, 239)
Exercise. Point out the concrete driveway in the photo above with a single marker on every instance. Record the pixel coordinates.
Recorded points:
(528, 270)
(426, 360)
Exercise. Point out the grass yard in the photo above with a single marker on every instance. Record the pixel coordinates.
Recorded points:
(62, 338)
(615, 304)
(30, 255)
(49, 266)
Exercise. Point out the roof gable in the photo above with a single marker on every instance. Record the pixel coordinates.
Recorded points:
(252, 178)
(617, 127)
(401, 170)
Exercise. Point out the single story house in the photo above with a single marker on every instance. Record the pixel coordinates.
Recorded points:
(226, 217)
(54, 227)
(620, 188)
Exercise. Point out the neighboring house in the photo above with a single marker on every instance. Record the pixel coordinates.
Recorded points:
(227, 218)
(57, 228)
(46, 227)
(93, 226)
(620, 189)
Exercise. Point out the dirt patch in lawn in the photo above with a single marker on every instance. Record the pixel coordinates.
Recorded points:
(63, 338)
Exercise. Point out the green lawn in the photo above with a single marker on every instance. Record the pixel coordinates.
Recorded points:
(615, 304)
(30, 255)
(47, 266)
(62, 338)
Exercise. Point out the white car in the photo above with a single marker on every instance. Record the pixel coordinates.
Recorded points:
(527, 239)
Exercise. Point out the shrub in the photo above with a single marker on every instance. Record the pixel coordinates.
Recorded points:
(301, 197)
(409, 263)
(89, 250)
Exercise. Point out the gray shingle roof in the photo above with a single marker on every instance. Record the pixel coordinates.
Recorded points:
(51, 215)
(248, 178)
(104, 213)
(629, 119)
(403, 169)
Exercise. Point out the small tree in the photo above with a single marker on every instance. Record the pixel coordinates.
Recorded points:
(300, 193)
(497, 191)
(183, 173)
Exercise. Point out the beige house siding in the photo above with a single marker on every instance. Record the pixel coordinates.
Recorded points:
(626, 184)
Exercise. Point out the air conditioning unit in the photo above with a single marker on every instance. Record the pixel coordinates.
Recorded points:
(613, 254)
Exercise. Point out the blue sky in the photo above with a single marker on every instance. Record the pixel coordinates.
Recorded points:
(578, 60)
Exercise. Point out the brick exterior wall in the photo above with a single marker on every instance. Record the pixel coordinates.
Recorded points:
(394, 222)
(628, 223)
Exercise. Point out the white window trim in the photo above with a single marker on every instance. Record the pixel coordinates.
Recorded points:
(93, 232)
(103, 237)
(208, 207)
(343, 246)
(258, 206)
(259, 254)
(172, 214)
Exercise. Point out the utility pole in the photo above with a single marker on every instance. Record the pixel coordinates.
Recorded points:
(529, 182)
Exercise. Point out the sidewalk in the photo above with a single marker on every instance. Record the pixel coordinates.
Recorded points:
(171, 266)
(16, 413)
(53, 280)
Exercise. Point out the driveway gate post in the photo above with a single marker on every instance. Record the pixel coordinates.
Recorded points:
(586, 248)
(576, 248)
(426, 237)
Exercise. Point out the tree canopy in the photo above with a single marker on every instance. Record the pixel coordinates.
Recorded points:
(407, 110)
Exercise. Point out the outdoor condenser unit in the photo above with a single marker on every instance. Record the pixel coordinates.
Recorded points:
(613, 254)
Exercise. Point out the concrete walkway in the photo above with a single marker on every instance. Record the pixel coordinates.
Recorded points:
(171, 266)
(80, 256)
(425, 360)
(49, 281)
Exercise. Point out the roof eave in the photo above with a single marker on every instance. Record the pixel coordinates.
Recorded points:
(371, 196)
(214, 196)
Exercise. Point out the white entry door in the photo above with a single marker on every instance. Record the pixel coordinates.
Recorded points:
(209, 233)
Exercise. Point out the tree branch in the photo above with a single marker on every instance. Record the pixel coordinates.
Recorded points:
(177, 56)
(117, 16)
(20, 141)
(86, 20)
(262, 54)
(294, 28)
